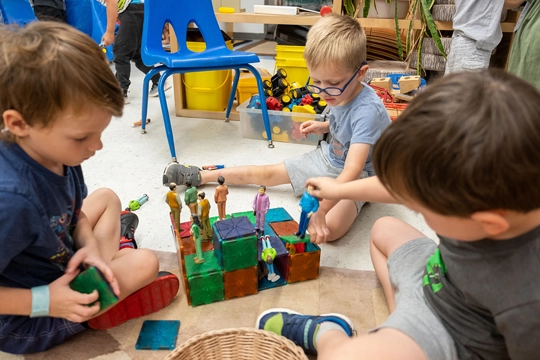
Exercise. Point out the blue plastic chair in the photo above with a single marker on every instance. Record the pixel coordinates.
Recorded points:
(18, 12)
(216, 56)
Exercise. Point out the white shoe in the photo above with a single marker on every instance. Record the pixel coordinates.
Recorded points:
(270, 277)
(275, 278)
(154, 89)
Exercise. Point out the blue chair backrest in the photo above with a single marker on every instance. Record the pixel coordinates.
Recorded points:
(179, 13)
(18, 12)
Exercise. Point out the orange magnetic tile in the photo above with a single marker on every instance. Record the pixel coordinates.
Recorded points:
(304, 266)
(240, 283)
(284, 228)
(189, 245)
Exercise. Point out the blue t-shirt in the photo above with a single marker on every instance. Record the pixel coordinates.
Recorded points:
(38, 212)
(362, 120)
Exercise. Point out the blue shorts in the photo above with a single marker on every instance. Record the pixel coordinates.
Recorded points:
(24, 335)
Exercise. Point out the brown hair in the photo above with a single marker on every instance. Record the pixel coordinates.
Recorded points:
(47, 68)
(470, 142)
(336, 40)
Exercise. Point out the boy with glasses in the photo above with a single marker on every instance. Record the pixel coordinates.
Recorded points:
(335, 55)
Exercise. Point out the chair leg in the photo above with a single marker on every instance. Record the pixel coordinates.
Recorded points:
(146, 82)
(264, 109)
(165, 112)
(233, 93)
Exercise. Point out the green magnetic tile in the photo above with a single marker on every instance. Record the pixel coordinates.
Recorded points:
(206, 289)
(92, 279)
(158, 335)
(295, 239)
(239, 253)
(248, 214)
(209, 265)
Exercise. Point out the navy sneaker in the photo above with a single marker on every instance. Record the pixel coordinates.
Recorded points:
(300, 329)
(178, 174)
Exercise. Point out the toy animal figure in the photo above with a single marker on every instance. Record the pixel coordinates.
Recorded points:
(307, 206)
(261, 204)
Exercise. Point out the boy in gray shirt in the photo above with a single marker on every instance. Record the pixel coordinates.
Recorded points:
(335, 54)
(465, 155)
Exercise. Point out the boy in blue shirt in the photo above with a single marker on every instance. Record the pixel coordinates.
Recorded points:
(465, 155)
(335, 54)
(51, 229)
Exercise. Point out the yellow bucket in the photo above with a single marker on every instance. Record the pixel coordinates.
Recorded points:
(207, 90)
(291, 59)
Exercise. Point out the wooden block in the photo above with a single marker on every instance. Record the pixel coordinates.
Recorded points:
(408, 83)
(385, 83)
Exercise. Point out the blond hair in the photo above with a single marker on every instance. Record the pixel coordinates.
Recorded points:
(47, 68)
(469, 142)
(336, 40)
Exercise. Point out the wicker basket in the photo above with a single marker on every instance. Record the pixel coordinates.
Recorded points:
(238, 344)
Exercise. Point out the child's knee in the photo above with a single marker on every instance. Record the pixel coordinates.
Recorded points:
(107, 196)
(381, 229)
(147, 261)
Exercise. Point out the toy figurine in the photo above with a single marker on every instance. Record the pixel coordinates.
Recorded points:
(190, 198)
(268, 255)
(175, 204)
(196, 234)
(213, 167)
(204, 216)
(136, 204)
(261, 204)
(220, 197)
(308, 205)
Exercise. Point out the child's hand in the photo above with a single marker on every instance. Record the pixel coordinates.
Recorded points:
(90, 257)
(324, 188)
(69, 304)
(318, 231)
(107, 39)
(312, 127)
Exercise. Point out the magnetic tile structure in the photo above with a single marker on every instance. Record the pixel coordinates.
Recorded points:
(158, 335)
(233, 266)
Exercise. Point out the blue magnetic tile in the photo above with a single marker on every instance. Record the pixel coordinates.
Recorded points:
(264, 283)
(234, 228)
(278, 215)
(158, 335)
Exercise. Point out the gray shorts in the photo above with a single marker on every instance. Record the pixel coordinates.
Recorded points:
(412, 315)
(313, 164)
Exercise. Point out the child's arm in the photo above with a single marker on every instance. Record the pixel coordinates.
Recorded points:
(112, 15)
(368, 190)
(354, 164)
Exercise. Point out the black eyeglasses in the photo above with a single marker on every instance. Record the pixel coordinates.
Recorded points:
(332, 90)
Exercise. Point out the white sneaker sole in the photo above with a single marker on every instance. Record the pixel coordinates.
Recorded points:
(168, 85)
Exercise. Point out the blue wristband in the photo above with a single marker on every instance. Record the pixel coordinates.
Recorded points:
(40, 301)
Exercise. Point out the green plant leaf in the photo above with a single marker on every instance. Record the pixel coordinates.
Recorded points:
(419, 60)
(431, 26)
(398, 31)
(366, 8)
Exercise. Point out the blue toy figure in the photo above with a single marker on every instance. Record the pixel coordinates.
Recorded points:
(268, 255)
(308, 205)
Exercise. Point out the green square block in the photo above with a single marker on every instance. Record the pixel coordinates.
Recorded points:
(239, 253)
(295, 239)
(248, 214)
(209, 265)
(213, 219)
(205, 279)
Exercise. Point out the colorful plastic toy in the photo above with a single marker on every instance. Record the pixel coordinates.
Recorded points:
(197, 238)
(307, 206)
(220, 197)
(204, 215)
(261, 204)
(136, 204)
(175, 204)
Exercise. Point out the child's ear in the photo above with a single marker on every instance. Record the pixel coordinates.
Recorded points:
(493, 222)
(363, 71)
(15, 123)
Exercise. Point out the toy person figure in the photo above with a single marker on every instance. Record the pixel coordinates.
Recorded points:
(190, 197)
(204, 215)
(175, 204)
(220, 197)
(268, 255)
(308, 205)
(196, 234)
(261, 204)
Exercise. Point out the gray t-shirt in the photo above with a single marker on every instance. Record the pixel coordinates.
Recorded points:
(362, 120)
(489, 296)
